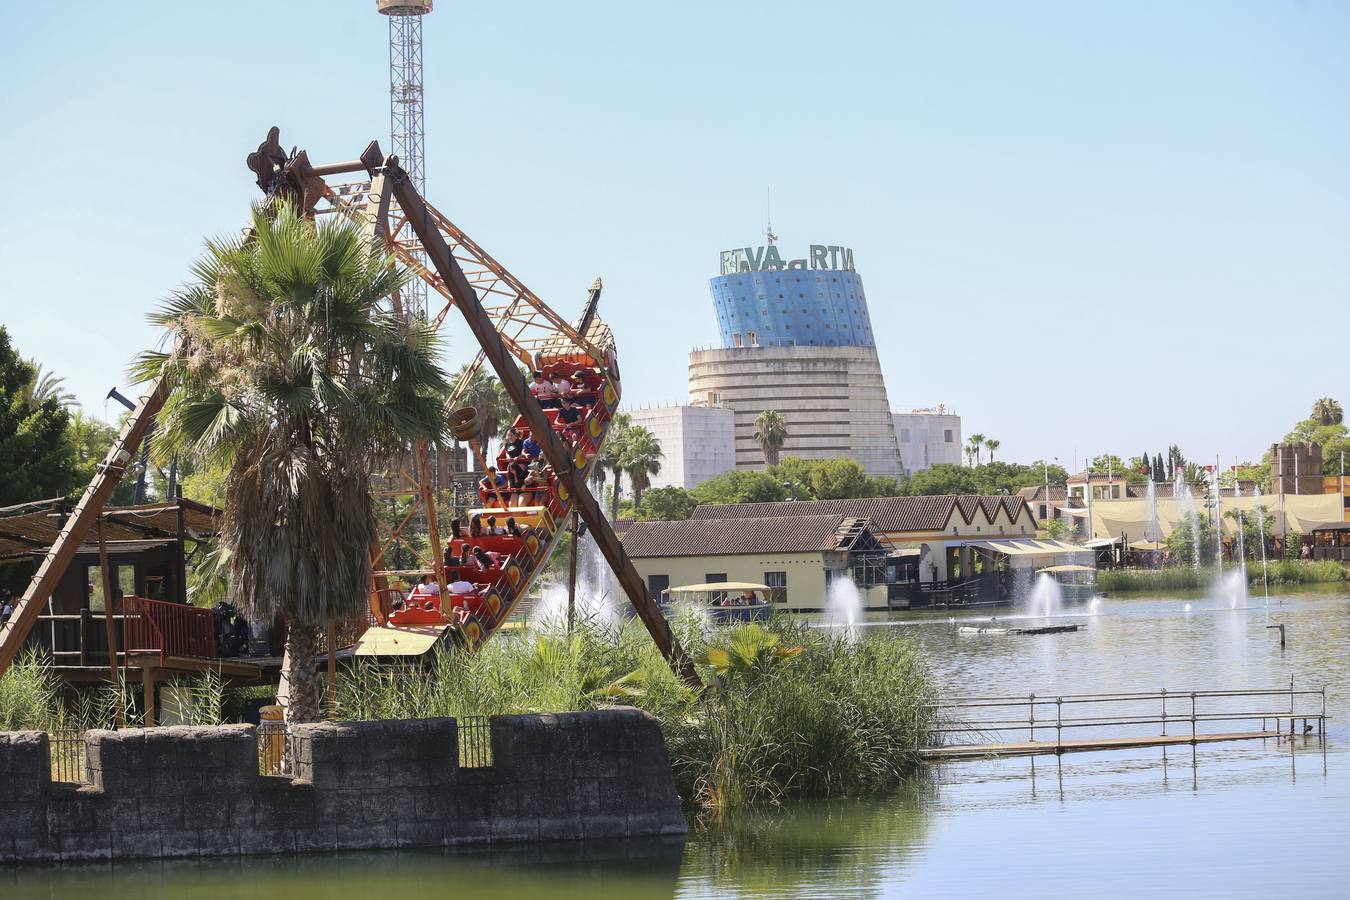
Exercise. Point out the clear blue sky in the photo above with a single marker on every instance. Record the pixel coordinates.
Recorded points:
(1157, 193)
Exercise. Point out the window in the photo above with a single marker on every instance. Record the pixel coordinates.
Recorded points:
(124, 579)
(656, 584)
(737, 338)
(904, 435)
(947, 435)
(753, 338)
(777, 582)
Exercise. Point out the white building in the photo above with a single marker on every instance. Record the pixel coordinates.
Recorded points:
(833, 398)
(928, 437)
(699, 442)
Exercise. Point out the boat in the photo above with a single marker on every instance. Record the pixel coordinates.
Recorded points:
(1077, 583)
(727, 602)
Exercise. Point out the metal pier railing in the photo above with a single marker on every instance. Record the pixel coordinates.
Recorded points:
(970, 726)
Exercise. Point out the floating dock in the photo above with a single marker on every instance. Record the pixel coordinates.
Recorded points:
(1012, 629)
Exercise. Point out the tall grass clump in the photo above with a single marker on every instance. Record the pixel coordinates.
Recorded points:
(30, 696)
(1283, 571)
(789, 711)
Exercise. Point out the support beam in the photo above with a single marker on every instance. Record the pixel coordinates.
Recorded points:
(109, 627)
(76, 528)
(559, 456)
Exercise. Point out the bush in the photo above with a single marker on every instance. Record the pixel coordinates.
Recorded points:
(838, 718)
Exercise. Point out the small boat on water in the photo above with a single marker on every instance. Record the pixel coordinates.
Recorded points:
(1031, 629)
(725, 601)
(1077, 584)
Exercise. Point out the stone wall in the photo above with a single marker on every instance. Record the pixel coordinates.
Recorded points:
(188, 792)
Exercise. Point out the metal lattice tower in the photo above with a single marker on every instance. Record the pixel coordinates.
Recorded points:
(407, 131)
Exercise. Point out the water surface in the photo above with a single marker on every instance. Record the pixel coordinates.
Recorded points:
(1252, 819)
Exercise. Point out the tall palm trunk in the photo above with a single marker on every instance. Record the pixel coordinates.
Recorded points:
(614, 498)
(298, 693)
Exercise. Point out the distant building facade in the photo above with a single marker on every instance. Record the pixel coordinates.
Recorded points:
(698, 442)
(927, 438)
(796, 338)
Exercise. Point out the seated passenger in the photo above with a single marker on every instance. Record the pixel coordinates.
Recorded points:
(480, 556)
(513, 529)
(455, 532)
(449, 557)
(581, 394)
(492, 528)
(426, 587)
(516, 473)
(570, 419)
(531, 448)
(543, 391)
(460, 588)
(562, 386)
(476, 526)
(513, 445)
(492, 480)
(465, 556)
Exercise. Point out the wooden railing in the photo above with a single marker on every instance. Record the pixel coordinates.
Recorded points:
(169, 629)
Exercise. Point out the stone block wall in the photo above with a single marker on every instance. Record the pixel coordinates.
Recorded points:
(189, 792)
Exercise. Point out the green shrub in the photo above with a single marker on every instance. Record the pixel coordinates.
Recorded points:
(1180, 578)
(838, 718)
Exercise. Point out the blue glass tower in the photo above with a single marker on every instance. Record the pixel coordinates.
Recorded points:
(792, 308)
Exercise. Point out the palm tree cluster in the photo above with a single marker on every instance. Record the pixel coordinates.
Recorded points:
(287, 372)
(977, 444)
(630, 450)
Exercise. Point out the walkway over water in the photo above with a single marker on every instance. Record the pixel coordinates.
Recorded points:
(1115, 721)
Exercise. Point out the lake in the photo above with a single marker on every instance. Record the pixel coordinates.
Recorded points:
(1242, 819)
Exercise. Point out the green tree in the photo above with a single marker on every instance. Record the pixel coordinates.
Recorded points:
(991, 445)
(495, 410)
(1328, 412)
(90, 439)
(976, 442)
(38, 455)
(1334, 439)
(771, 432)
(285, 370)
(641, 460)
(43, 386)
(740, 486)
(610, 461)
(884, 486)
(944, 479)
(839, 479)
(667, 503)
(795, 473)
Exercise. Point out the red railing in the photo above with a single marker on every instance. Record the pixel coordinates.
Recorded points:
(169, 629)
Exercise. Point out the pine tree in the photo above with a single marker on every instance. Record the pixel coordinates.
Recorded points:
(37, 455)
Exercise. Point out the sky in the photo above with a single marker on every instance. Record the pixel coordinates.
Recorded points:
(1084, 227)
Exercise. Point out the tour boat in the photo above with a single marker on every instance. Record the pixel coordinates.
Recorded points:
(725, 601)
(1077, 583)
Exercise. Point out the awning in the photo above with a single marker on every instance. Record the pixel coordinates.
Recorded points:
(407, 640)
(1067, 568)
(1078, 511)
(1147, 545)
(1100, 543)
(907, 551)
(717, 586)
(1025, 547)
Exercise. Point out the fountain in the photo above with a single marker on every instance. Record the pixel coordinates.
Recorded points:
(1261, 531)
(1154, 533)
(596, 603)
(843, 605)
(1046, 600)
(1182, 492)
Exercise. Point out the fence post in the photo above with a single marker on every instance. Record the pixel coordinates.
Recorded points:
(1164, 712)
(1193, 717)
(1031, 715)
(1059, 722)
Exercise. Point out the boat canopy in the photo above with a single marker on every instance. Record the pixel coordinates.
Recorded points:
(1067, 568)
(717, 586)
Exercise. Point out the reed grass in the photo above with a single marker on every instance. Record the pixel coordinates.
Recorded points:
(841, 718)
(1282, 571)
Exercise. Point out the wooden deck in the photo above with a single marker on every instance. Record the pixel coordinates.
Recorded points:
(1040, 748)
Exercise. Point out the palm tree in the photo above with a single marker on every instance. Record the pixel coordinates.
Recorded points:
(486, 394)
(286, 372)
(991, 445)
(1328, 412)
(976, 445)
(771, 432)
(610, 460)
(43, 386)
(641, 460)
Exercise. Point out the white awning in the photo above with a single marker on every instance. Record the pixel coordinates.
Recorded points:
(1101, 543)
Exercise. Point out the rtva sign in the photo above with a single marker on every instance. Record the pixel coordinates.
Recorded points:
(767, 259)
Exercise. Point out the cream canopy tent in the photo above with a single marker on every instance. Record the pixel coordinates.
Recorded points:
(1302, 512)
(717, 586)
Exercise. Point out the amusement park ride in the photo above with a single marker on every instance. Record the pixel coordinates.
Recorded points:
(513, 327)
